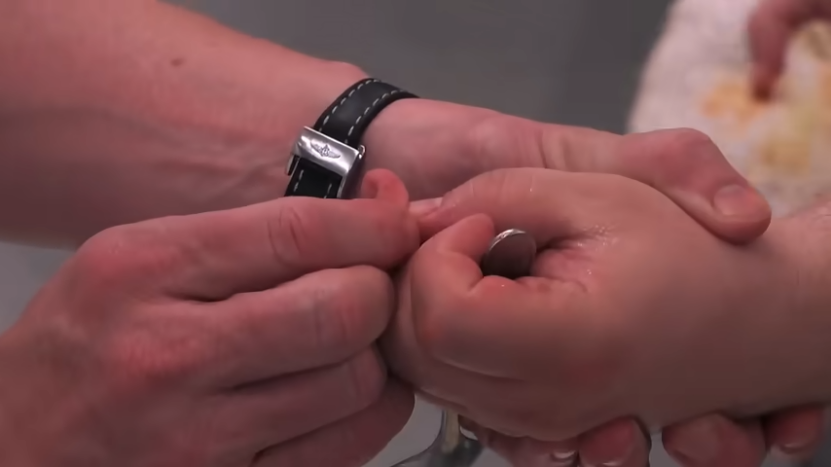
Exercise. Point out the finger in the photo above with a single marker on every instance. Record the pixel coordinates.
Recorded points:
(351, 442)
(770, 28)
(620, 443)
(690, 169)
(796, 433)
(455, 308)
(319, 319)
(275, 411)
(485, 418)
(549, 204)
(687, 167)
(683, 164)
(385, 185)
(715, 441)
(527, 452)
(260, 246)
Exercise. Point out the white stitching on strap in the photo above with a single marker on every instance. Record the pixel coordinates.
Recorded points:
(340, 103)
(370, 107)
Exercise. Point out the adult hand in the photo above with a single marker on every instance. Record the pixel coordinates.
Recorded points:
(435, 147)
(772, 25)
(232, 338)
(608, 228)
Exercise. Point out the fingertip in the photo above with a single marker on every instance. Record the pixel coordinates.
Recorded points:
(693, 443)
(424, 207)
(715, 440)
(796, 433)
(469, 237)
(527, 452)
(384, 185)
(619, 443)
(742, 230)
(737, 212)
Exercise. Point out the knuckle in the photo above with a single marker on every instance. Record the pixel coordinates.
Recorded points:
(491, 185)
(289, 234)
(123, 256)
(431, 329)
(149, 359)
(669, 157)
(687, 143)
(495, 189)
(495, 135)
(355, 313)
(365, 377)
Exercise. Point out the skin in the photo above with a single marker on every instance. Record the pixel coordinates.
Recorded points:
(630, 305)
(176, 344)
(770, 29)
(172, 114)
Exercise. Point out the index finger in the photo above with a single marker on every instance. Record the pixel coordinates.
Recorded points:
(220, 254)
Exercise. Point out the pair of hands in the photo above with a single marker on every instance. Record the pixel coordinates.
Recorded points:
(246, 336)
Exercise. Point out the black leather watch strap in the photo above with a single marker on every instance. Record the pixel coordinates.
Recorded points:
(347, 119)
(310, 179)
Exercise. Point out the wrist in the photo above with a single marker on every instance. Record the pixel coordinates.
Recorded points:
(187, 116)
(800, 342)
(432, 146)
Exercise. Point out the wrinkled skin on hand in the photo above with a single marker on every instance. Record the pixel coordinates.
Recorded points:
(227, 339)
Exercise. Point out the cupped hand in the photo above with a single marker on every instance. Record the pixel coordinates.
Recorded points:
(232, 338)
(771, 27)
(593, 218)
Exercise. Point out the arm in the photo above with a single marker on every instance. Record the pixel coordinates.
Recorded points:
(180, 115)
(804, 334)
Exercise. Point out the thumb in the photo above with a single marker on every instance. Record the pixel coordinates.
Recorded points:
(688, 168)
(382, 184)
(684, 165)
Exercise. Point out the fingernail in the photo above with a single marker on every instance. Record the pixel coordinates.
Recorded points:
(737, 200)
(783, 457)
(797, 444)
(701, 443)
(424, 207)
(555, 459)
(618, 445)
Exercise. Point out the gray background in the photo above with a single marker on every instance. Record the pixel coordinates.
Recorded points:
(566, 61)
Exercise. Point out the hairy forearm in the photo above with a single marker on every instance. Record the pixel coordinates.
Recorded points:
(117, 111)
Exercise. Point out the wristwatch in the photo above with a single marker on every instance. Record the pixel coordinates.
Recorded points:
(327, 160)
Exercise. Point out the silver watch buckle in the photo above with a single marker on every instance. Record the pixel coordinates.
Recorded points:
(330, 154)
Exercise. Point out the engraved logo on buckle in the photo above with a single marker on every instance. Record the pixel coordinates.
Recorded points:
(324, 150)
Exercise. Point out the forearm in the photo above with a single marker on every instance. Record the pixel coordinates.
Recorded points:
(798, 347)
(113, 112)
